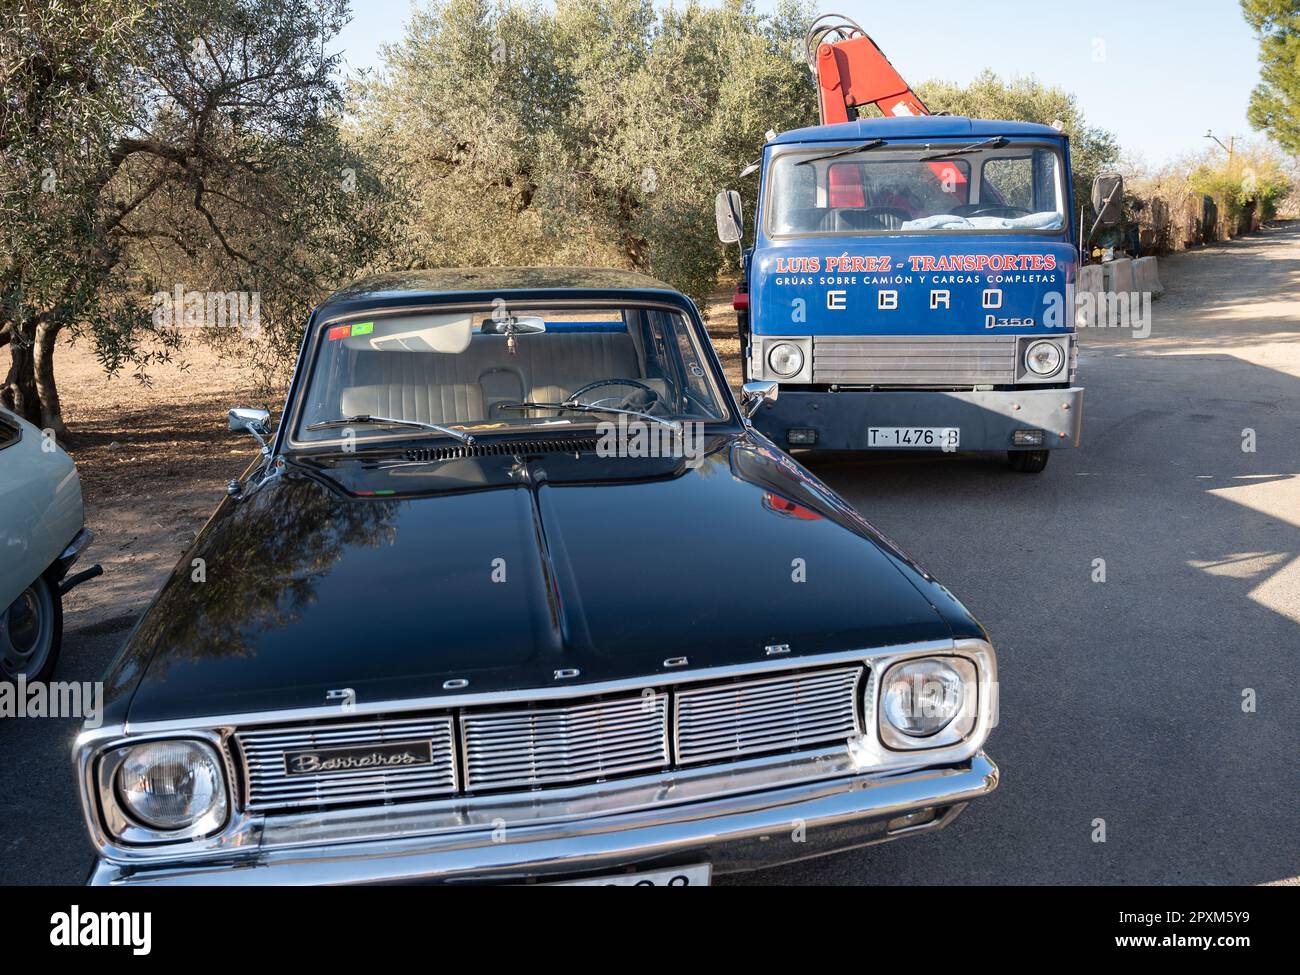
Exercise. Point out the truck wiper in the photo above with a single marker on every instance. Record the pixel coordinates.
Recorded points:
(388, 421)
(865, 147)
(577, 407)
(973, 147)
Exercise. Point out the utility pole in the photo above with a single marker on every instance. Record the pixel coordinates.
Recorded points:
(1232, 142)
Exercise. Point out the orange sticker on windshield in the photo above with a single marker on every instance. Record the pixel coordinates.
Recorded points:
(340, 332)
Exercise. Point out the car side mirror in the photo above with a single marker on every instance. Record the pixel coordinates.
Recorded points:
(755, 394)
(731, 224)
(256, 422)
(1108, 199)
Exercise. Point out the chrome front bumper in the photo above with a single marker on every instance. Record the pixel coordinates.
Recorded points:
(988, 419)
(736, 833)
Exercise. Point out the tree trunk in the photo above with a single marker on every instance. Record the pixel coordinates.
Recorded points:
(19, 393)
(29, 389)
(51, 410)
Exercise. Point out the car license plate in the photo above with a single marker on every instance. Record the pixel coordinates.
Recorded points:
(696, 876)
(944, 438)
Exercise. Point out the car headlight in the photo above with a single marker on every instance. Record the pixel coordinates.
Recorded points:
(928, 702)
(171, 786)
(785, 359)
(1044, 358)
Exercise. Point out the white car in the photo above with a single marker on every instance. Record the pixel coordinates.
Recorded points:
(42, 533)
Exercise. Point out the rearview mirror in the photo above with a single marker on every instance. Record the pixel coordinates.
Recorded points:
(256, 422)
(1108, 198)
(726, 209)
(755, 394)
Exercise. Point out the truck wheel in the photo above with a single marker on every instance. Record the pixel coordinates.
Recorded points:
(1027, 461)
(31, 630)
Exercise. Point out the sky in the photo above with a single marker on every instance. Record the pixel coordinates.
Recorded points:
(1157, 73)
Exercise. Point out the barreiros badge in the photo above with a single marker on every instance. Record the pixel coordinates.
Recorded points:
(346, 331)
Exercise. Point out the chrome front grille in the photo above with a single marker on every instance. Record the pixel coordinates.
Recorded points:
(269, 754)
(548, 745)
(759, 715)
(294, 768)
(914, 360)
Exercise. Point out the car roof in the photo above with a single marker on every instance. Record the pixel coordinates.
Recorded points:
(915, 127)
(407, 287)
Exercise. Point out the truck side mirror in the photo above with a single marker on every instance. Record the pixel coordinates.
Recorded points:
(1108, 198)
(731, 224)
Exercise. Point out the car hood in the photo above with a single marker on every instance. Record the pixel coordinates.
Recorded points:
(391, 579)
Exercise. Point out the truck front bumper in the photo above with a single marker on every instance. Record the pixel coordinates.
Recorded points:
(988, 420)
(742, 832)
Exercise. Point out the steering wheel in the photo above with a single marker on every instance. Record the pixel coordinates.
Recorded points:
(654, 395)
(1017, 212)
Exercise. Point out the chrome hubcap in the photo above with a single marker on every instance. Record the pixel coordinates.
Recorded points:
(26, 632)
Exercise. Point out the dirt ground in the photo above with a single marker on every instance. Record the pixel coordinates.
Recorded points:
(154, 461)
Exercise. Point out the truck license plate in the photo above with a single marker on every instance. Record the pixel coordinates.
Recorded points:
(944, 438)
(692, 876)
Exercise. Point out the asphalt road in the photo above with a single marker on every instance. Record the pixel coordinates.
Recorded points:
(1122, 700)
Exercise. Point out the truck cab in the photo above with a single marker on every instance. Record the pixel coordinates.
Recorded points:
(910, 286)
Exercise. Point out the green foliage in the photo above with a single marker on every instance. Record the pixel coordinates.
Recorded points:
(1253, 177)
(1092, 150)
(596, 132)
(150, 146)
(1275, 102)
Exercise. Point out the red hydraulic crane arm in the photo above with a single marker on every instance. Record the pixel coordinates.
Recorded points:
(853, 72)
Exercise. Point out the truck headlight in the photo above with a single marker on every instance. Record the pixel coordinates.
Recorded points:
(1044, 358)
(172, 786)
(928, 702)
(785, 359)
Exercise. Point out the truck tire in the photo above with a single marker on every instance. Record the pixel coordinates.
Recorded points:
(1027, 461)
(31, 631)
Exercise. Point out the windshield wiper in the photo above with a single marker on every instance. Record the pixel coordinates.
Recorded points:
(347, 421)
(993, 143)
(591, 408)
(865, 147)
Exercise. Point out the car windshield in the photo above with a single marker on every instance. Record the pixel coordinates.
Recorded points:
(986, 186)
(475, 371)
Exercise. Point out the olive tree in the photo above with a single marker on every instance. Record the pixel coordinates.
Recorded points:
(590, 132)
(145, 147)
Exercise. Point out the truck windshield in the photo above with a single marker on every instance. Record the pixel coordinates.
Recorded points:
(914, 188)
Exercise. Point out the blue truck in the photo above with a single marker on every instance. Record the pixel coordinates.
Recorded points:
(910, 283)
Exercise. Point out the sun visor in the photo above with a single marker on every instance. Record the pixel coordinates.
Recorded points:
(448, 333)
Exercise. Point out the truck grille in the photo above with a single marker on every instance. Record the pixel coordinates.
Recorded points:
(269, 756)
(546, 745)
(915, 360)
(760, 715)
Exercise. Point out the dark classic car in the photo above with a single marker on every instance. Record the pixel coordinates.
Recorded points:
(515, 593)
